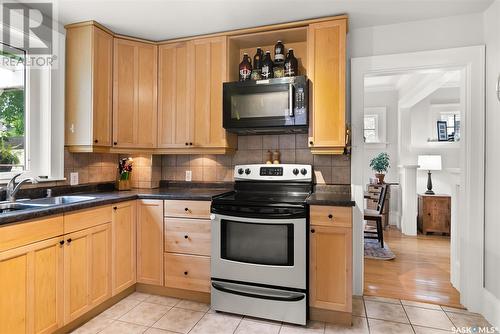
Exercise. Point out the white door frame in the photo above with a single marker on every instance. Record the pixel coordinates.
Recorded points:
(470, 228)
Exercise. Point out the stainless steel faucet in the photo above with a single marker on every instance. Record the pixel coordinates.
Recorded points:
(13, 187)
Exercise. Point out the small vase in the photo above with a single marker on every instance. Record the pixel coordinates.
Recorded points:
(122, 185)
(380, 178)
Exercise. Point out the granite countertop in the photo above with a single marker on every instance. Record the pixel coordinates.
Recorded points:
(110, 197)
(330, 198)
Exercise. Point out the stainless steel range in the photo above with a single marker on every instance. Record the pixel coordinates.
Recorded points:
(259, 243)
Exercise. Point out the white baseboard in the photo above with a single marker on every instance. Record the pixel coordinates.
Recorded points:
(491, 308)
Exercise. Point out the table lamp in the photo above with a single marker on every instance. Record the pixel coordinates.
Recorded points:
(429, 162)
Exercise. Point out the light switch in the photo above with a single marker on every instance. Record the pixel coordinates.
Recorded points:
(188, 175)
(73, 179)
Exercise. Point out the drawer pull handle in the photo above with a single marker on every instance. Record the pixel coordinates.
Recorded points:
(185, 273)
(330, 216)
(313, 230)
(186, 236)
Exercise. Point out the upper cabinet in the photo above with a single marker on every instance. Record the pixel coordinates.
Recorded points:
(175, 119)
(134, 94)
(89, 73)
(326, 69)
(190, 95)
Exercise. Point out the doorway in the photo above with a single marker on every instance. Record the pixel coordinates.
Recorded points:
(440, 69)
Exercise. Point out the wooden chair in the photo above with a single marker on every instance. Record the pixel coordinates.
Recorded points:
(376, 215)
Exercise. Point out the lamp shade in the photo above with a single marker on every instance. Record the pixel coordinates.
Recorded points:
(429, 162)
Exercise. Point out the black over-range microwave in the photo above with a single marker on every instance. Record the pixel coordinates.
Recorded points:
(266, 106)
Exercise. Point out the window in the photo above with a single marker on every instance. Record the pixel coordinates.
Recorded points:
(371, 129)
(452, 120)
(374, 127)
(12, 109)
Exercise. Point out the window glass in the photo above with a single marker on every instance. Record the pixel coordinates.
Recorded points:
(12, 109)
(452, 120)
(371, 131)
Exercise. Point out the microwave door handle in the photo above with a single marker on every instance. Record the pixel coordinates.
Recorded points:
(290, 99)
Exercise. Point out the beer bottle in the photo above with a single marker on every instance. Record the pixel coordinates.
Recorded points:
(257, 65)
(245, 68)
(279, 53)
(267, 66)
(291, 64)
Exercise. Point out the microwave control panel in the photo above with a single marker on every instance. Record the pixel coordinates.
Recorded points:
(300, 102)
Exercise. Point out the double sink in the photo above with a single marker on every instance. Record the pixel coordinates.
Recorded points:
(42, 202)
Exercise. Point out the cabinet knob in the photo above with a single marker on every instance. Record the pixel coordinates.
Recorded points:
(186, 209)
(69, 241)
(186, 236)
(115, 143)
(313, 230)
(115, 208)
(190, 144)
(96, 141)
(186, 144)
(330, 216)
(311, 143)
(185, 273)
(61, 242)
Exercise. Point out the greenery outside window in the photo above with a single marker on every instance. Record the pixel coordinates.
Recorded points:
(12, 109)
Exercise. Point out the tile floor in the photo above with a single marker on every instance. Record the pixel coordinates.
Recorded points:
(151, 314)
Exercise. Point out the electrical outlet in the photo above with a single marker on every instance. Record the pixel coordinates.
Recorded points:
(73, 179)
(189, 174)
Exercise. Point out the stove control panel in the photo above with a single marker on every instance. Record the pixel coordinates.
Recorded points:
(281, 172)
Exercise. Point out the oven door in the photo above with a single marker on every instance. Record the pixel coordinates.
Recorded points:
(264, 251)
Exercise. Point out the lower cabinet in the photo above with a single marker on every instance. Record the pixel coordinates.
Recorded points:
(189, 272)
(87, 270)
(32, 288)
(123, 246)
(150, 242)
(330, 284)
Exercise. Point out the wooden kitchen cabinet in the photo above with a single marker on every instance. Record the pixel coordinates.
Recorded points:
(88, 91)
(123, 246)
(175, 110)
(32, 288)
(150, 242)
(134, 94)
(326, 45)
(190, 96)
(87, 270)
(330, 284)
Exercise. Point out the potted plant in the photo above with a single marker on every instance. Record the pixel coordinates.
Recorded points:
(124, 168)
(7, 157)
(380, 164)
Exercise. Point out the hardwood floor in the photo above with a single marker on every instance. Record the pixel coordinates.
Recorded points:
(420, 271)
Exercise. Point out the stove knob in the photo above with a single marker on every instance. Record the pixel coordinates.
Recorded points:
(303, 171)
(240, 171)
(247, 171)
(295, 171)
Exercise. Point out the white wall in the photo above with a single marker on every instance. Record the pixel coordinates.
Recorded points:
(388, 99)
(441, 33)
(492, 221)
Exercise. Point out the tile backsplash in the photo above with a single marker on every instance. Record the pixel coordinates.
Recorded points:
(329, 169)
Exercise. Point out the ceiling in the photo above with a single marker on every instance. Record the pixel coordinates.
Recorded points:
(167, 19)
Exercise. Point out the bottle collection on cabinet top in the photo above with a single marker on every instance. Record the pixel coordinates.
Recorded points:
(265, 68)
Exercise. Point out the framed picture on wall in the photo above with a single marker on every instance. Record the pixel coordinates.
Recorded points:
(441, 129)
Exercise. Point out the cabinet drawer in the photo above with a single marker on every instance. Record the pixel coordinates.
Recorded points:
(187, 236)
(83, 219)
(187, 209)
(331, 216)
(189, 272)
(25, 233)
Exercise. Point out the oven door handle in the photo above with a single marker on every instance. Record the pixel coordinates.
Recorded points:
(289, 297)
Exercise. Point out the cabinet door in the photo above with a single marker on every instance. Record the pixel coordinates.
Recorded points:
(32, 279)
(87, 270)
(331, 268)
(150, 242)
(326, 71)
(147, 113)
(124, 92)
(102, 87)
(123, 245)
(175, 113)
(209, 73)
